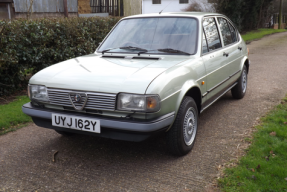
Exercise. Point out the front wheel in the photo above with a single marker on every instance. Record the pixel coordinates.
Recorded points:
(239, 90)
(181, 136)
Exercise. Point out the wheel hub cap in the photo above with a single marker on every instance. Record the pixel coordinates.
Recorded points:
(244, 81)
(189, 126)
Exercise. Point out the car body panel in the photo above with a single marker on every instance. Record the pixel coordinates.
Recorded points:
(169, 76)
(175, 82)
(88, 73)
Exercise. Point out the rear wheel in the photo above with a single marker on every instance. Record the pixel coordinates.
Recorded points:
(239, 90)
(181, 136)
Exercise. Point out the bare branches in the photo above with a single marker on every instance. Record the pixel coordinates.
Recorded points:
(200, 5)
(193, 7)
(29, 6)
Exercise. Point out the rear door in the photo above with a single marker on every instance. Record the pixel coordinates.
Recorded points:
(232, 47)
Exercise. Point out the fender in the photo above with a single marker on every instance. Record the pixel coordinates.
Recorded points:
(186, 88)
(243, 60)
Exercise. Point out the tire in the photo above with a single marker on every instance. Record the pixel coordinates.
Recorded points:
(239, 90)
(181, 137)
(64, 133)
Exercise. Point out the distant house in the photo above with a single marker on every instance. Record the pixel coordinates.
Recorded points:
(6, 10)
(113, 7)
(155, 6)
(55, 8)
(45, 8)
(134, 7)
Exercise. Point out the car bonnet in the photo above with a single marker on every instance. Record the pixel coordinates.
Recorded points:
(105, 74)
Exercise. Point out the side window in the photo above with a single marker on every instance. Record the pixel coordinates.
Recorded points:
(225, 31)
(212, 35)
(233, 33)
(204, 44)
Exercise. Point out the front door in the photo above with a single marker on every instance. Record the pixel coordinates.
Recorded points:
(214, 59)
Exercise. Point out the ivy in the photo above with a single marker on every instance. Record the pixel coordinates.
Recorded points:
(27, 46)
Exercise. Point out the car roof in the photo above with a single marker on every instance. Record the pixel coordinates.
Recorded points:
(180, 14)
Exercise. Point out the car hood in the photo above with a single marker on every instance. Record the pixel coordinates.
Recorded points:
(105, 74)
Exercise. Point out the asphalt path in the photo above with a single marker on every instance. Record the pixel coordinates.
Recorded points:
(85, 163)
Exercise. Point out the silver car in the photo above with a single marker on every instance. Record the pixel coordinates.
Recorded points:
(152, 74)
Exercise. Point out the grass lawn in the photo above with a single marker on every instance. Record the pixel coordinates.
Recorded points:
(264, 167)
(257, 34)
(11, 115)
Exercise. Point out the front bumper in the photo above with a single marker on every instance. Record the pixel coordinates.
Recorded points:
(115, 128)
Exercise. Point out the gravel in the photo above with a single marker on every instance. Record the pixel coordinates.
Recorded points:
(84, 163)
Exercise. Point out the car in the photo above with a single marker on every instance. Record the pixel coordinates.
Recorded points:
(152, 74)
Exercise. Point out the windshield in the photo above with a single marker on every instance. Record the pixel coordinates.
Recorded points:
(153, 35)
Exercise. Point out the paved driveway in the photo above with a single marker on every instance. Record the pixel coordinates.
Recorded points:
(86, 163)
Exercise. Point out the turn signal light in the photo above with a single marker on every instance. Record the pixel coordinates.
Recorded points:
(151, 103)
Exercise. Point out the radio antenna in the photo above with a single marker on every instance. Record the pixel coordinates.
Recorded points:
(164, 8)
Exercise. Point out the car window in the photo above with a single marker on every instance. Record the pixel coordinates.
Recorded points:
(154, 35)
(225, 31)
(212, 35)
(204, 44)
(233, 33)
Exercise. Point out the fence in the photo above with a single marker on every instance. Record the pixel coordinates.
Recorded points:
(113, 7)
(276, 18)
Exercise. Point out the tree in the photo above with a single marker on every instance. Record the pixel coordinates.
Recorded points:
(29, 6)
(246, 14)
(280, 13)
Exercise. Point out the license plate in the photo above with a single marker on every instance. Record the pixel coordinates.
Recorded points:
(77, 123)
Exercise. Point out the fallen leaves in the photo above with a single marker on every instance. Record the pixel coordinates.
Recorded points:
(54, 154)
(253, 170)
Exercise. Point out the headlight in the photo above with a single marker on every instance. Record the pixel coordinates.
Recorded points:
(132, 102)
(38, 92)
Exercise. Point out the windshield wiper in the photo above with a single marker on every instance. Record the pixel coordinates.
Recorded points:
(106, 50)
(169, 50)
(135, 48)
(130, 48)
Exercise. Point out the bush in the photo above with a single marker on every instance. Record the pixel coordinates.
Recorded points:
(246, 14)
(27, 46)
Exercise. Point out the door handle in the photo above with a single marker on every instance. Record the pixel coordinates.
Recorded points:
(225, 54)
(240, 48)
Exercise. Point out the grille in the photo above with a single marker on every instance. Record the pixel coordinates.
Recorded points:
(97, 101)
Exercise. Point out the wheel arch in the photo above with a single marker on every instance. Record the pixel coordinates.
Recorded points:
(195, 93)
(245, 61)
(191, 91)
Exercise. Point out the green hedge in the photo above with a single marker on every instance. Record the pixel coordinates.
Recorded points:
(27, 46)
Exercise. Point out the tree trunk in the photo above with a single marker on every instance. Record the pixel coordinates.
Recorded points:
(280, 14)
(65, 8)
